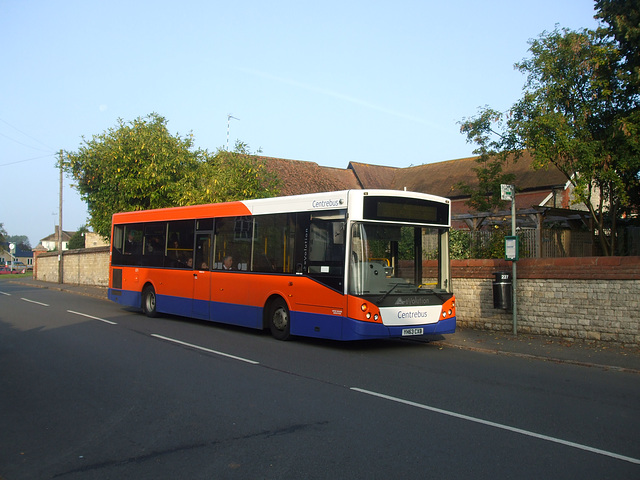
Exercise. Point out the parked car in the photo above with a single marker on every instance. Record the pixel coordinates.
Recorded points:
(17, 265)
(7, 270)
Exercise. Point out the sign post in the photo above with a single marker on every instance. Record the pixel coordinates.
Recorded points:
(511, 250)
(12, 251)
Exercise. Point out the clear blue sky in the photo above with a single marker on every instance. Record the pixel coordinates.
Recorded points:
(380, 82)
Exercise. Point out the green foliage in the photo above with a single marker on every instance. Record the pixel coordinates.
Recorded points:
(579, 113)
(485, 197)
(139, 165)
(623, 19)
(3, 237)
(459, 244)
(77, 240)
(21, 242)
(575, 116)
(229, 176)
(135, 166)
(465, 244)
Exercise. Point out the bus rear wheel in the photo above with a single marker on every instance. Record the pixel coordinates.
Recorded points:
(149, 301)
(279, 320)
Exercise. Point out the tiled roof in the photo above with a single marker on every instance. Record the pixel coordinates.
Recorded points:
(297, 177)
(66, 235)
(440, 178)
(373, 176)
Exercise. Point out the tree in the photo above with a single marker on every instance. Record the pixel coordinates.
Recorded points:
(3, 237)
(229, 176)
(575, 115)
(21, 241)
(77, 240)
(135, 166)
(623, 20)
(139, 165)
(486, 196)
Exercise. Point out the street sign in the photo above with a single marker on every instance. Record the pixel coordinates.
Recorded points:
(507, 192)
(511, 250)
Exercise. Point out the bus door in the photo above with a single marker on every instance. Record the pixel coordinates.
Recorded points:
(202, 276)
(231, 259)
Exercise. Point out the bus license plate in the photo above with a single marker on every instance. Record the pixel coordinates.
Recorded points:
(412, 331)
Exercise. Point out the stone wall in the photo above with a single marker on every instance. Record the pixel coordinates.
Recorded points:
(88, 266)
(590, 298)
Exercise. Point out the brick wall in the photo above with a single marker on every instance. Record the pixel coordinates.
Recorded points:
(590, 298)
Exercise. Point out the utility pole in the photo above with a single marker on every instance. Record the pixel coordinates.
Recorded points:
(60, 270)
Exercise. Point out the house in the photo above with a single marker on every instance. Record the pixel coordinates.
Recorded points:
(50, 243)
(19, 255)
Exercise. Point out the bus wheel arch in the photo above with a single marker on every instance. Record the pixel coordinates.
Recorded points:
(148, 300)
(277, 317)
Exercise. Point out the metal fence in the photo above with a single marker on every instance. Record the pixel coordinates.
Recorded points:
(551, 243)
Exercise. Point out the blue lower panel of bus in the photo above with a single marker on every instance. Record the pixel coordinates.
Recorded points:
(302, 323)
(125, 297)
(342, 328)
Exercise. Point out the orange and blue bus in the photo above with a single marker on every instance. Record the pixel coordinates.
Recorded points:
(346, 265)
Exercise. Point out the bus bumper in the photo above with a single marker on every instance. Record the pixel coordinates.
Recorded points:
(358, 330)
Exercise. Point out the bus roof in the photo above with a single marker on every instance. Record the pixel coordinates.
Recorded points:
(294, 203)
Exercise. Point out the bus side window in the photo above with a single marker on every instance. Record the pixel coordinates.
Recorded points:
(154, 244)
(127, 245)
(233, 239)
(117, 244)
(273, 243)
(180, 246)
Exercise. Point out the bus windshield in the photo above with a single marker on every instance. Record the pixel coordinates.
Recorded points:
(389, 259)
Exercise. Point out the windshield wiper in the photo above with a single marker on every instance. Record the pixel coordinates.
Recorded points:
(379, 301)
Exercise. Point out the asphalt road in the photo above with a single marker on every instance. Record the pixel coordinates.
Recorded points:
(91, 390)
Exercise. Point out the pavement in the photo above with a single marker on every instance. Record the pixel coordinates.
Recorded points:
(602, 355)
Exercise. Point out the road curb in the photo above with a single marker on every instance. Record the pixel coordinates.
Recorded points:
(545, 358)
(62, 288)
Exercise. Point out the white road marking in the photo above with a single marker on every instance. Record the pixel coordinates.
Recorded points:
(498, 425)
(92, 317)
(33, 301)
(197, 347)
(5, 293)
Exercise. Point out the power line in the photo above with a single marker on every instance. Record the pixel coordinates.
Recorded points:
(27, 160)
(20, 143)
(26, 135)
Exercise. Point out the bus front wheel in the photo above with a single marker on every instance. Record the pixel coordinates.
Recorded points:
(149, 301)
(279, 320)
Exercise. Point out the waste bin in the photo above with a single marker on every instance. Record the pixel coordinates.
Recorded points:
(502, 290)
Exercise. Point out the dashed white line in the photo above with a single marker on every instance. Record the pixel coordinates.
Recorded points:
(33, 301)
(498, 425)
(198, 347)
(92, 317)
(5, 293)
